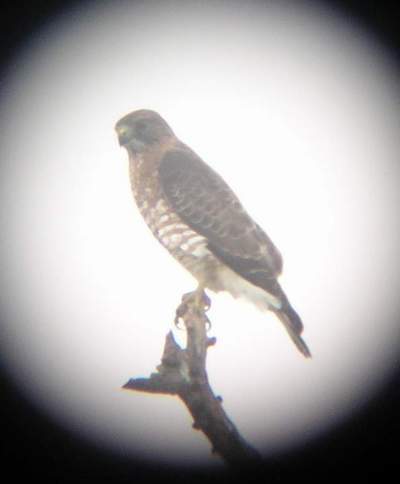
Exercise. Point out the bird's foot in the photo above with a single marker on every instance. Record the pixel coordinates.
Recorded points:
(199, 301)
(180, 312)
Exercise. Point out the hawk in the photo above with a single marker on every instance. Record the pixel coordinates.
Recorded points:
(197, 217)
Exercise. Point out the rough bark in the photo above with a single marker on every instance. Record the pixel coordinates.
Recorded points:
(182, 372)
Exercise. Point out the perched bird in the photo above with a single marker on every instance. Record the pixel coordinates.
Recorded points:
(196, 216)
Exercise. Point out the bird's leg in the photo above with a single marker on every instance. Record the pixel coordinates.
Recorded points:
(203, 303)
(199, 300)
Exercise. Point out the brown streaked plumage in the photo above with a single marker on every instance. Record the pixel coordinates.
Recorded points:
(196, 216)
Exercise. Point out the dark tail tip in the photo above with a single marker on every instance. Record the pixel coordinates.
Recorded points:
(294, 327)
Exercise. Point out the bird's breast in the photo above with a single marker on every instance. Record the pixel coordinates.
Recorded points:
(184, 244)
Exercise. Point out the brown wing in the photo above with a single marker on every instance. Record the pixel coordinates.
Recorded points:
(208, 205)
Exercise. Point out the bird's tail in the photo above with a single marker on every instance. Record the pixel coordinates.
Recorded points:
(292, 322)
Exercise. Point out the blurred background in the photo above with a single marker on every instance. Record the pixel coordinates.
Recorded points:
(296, 105)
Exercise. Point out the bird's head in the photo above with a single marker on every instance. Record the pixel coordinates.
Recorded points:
(140, 129)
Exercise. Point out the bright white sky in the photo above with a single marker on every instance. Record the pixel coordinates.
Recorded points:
(298, 110)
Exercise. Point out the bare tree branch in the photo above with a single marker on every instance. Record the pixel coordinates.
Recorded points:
(182, 372)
